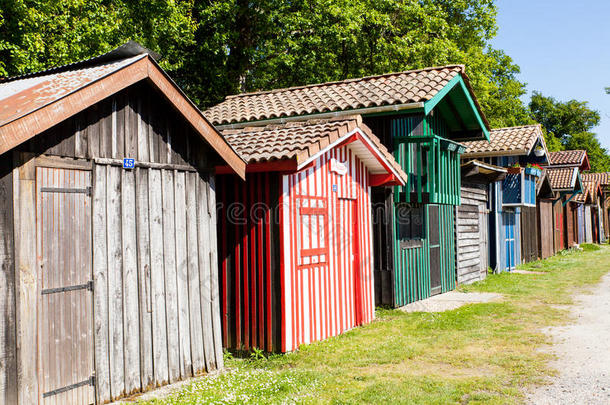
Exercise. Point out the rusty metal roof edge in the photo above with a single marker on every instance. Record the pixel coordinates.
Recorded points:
(74, 91)
(127, 50)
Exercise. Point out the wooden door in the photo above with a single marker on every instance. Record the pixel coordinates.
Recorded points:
(435, 250)
(357, 266)
(65, 279)
(509, 238)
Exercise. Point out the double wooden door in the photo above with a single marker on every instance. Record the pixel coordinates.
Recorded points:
(65, 313)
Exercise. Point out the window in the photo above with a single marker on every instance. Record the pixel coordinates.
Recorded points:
(410, 223)
(313, 229)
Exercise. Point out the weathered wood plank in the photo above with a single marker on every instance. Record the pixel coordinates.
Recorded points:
(115, 283)
(203, 219)
(144, 288)
(8, 355)
(171, 288)
(142, 132)
(131, 323)
(193, 275)
(157, 279)
(214, 272)
(186, 365)
(26, 280)
(100, 279)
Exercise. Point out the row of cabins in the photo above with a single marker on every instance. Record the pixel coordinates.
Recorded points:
(139, 236)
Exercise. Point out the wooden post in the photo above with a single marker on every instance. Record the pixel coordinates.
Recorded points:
(26, 277)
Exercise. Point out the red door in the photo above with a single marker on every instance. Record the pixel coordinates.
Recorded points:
(356, 265)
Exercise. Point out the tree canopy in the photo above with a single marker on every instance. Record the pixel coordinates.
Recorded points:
(569, 125)
(214, 48)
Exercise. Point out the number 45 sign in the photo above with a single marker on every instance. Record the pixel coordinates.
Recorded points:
(129, 163)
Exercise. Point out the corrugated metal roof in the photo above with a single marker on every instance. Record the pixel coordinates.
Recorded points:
(24, 96)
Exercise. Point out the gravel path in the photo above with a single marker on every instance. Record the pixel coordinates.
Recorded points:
(583, 350)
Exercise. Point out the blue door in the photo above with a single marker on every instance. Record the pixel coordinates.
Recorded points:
(509, 237)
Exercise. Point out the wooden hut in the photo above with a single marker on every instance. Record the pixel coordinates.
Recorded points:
(108, 271)
(472, 220)
(592, 210)
(566, 183)
(513, 201)
(545, 199)
(565, 168)
(296, 238)
(603, 180)
(420, 116)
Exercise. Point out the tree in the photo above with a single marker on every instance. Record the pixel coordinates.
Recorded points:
(568, 125)
(220, 47)
(39, 34)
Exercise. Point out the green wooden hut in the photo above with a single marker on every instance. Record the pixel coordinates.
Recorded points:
(420, 116)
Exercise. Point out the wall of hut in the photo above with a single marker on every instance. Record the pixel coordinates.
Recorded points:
(529, 234)
(472, 234)
(545, 228)
(143, 308)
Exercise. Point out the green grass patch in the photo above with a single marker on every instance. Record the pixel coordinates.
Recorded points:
(589, 247)
(480, 353)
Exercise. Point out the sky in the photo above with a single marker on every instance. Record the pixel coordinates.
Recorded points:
(563, 49)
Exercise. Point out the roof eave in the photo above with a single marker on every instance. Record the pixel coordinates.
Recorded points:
(366, 111)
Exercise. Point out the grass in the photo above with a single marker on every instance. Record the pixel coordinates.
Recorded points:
(480, 353)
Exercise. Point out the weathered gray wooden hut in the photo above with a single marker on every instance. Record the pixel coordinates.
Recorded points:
(108, 274)
(472, 220)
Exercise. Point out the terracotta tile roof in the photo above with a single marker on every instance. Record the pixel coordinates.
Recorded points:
(562, 178)
(602, 178)
(506, 141)
(299, 140)
(23, 96)
(567, 157)
(583, 197)
(592, 188)
(374, 91)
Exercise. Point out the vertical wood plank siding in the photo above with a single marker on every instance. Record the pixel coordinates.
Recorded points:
(8, 354)
(419, 144)
(286, 272)
(327, 293)
(130, 343)
(472, 234)
(545, 228)
(529, 234)
(249, 261)
(156, 314)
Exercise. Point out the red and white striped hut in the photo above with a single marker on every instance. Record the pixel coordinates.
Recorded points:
(295, 239)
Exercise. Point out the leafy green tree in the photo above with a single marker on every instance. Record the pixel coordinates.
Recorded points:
(568, 125)
(218, 47)
(38, 34)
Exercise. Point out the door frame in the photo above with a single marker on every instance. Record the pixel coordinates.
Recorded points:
(52, 162)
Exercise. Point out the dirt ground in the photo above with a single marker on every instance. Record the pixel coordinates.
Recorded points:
(583, 354)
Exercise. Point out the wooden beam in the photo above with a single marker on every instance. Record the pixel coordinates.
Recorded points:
(289, 166)
(384, 180)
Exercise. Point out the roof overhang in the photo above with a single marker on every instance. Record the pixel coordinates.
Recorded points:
(19, 130)
(457, 103)
(383, 173)
(478, 171)
(364, 148)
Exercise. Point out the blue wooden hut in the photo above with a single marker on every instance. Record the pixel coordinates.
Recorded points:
(512, 202)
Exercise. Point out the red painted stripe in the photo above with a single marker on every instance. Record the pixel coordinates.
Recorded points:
(267, 229)
(246, 273)
(237, 233)
(254, 253)
(225, 302)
